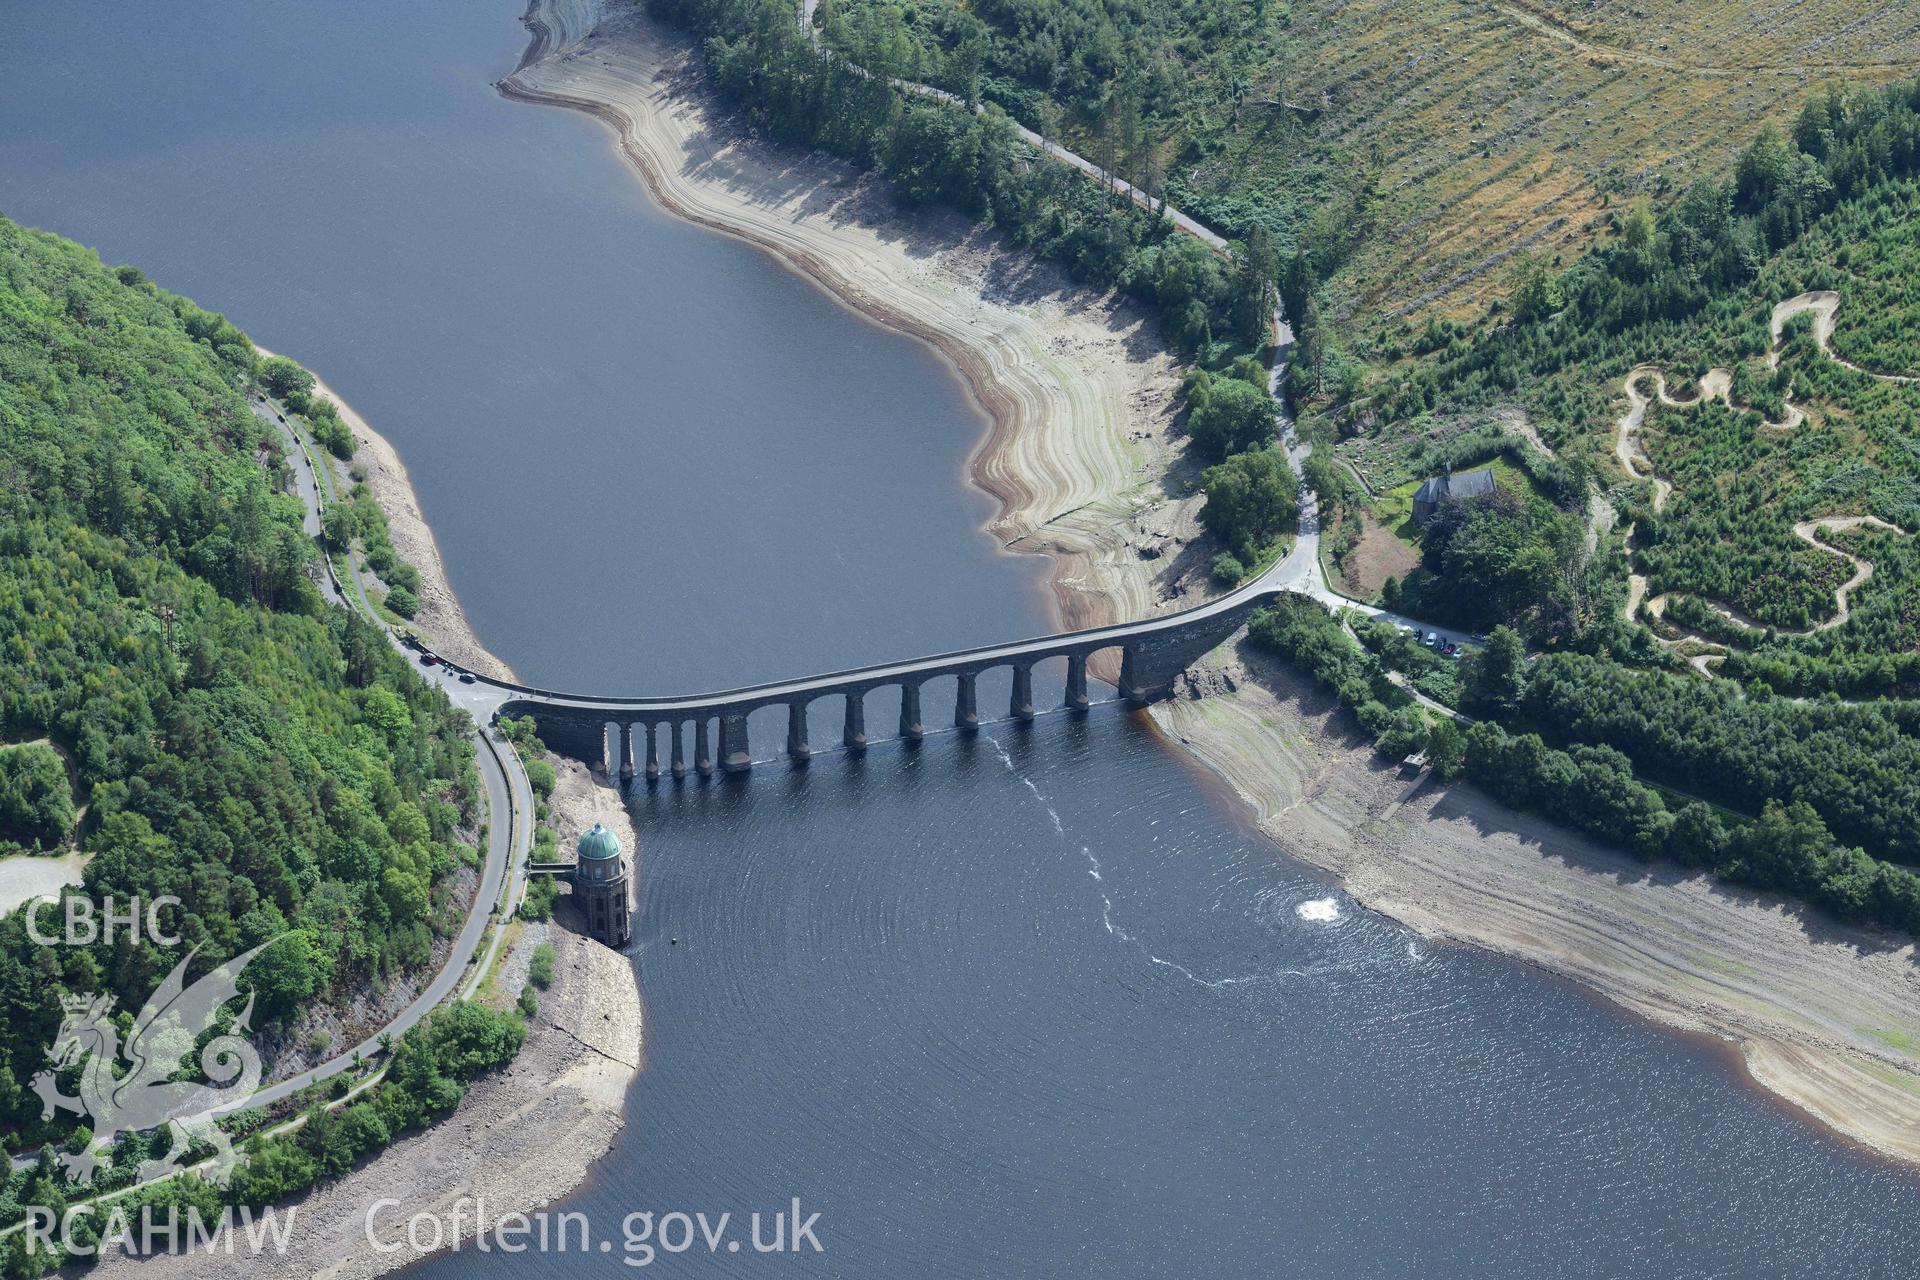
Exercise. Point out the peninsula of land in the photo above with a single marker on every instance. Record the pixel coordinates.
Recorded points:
(526, 1135)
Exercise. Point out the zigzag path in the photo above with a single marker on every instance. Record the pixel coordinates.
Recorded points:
(1717, 384)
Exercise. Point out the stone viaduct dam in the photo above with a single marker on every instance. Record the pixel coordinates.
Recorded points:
(1153, 653)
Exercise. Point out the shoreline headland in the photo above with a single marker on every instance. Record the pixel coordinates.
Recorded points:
(1083, 457)
(523, 1136)
(527, 1135)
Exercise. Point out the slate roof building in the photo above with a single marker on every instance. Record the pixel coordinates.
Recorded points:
(1448, 487)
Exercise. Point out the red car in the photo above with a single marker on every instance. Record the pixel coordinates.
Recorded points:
(428, 660)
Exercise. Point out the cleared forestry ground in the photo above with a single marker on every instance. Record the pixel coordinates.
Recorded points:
(1502, 128)
(1455, 134)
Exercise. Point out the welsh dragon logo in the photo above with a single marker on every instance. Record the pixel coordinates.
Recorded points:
(135, 1087)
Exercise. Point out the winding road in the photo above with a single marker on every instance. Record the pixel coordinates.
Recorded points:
(509, 801)
(1823, 303)
(1302, 571)
(509, 807)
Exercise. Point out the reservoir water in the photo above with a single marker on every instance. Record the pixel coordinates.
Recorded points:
(1036, 1004)
(652, 459)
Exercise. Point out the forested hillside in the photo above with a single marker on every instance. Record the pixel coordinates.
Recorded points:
(1746, 533)
(268, 760)
(1798, 436)
(936, 151)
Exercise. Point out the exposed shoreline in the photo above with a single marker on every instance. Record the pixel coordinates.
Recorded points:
(1790, 995)
(528, 1135)
(1084, 462)
(523, 1136)
(440, 615)
(1081, 450)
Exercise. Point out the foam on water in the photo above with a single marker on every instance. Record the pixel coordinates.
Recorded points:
(1106, 901)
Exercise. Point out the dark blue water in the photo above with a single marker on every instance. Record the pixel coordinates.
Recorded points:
(1033, 1005)
(1039, 1005)
(649, 456)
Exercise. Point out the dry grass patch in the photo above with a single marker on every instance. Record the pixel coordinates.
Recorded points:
(1377, 555)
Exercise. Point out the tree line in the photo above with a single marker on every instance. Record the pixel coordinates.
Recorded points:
(430, 1070)
(1686, 265)
(36, 800)
(1857, 765)
(941, 152)
(1569, 736)
(267, 759)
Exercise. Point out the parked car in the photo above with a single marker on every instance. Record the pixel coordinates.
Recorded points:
(428, 660)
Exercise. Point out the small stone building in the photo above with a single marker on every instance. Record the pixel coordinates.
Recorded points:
(600, 887)
(1448, 487)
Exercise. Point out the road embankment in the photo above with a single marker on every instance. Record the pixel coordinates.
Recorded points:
(523, 1137)
(440, 616)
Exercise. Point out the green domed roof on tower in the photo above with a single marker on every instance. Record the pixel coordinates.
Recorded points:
(598, 844)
